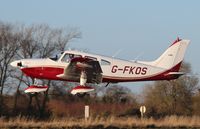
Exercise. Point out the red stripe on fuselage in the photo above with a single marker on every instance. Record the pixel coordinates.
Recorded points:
(43, 72)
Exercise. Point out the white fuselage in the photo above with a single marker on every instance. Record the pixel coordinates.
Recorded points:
(113, 69)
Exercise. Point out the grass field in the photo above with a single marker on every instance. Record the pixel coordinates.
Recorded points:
(98, 122)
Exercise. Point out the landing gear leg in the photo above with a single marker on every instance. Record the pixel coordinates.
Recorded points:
(35, 81)
(83, 78)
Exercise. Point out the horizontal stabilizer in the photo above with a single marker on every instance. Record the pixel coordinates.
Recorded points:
(175, 74)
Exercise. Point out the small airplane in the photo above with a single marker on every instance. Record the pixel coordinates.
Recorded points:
(76, 66)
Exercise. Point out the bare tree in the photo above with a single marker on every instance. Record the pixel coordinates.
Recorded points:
(196, 103)
(118, 94)
(172, 97)
(9, 45)
(41, 41)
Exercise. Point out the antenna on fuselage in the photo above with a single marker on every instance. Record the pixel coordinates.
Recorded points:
(137, 57)
(117, 52)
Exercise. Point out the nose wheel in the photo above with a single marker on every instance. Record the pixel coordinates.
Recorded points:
(36, 88)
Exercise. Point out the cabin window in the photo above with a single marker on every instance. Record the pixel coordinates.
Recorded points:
(68, 57)
(89, 57)
(105, 62)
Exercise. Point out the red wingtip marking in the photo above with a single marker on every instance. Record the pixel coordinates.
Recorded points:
(35, 86)
(176, 41)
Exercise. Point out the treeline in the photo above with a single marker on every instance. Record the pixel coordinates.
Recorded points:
(17, 41)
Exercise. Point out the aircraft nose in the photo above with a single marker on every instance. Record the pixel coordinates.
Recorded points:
(16, 63)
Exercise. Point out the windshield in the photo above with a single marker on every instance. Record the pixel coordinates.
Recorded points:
(68, 57)
(56, 57)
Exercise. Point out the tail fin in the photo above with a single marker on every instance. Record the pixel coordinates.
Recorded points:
(173, 55)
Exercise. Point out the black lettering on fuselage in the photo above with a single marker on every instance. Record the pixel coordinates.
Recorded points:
(129, 70)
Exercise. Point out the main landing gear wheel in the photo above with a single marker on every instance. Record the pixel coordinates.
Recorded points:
(82, 90)
(83, 95)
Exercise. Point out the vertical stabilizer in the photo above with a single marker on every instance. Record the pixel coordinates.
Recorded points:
(173, 55)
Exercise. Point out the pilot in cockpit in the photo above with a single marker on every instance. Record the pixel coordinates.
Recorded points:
(71, 56)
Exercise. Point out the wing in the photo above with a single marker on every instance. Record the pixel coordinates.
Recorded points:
(73, 71)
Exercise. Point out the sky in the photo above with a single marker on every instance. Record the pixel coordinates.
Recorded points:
(137, 28)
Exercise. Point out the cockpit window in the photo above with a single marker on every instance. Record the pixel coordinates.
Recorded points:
(105, 62)
(68, 57)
